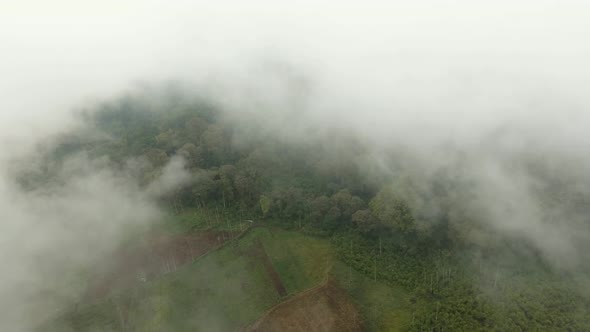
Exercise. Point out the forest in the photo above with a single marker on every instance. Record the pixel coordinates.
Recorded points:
(384, 216)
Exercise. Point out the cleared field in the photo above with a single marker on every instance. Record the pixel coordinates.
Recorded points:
(257, 251)
(324, 308)
(304, 262)
(232, 287)
(383, 307)
(221, 291)
(156, 256)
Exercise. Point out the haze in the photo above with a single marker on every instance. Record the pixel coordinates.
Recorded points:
(490, 81)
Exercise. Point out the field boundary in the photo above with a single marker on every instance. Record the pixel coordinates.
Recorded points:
(288, 300)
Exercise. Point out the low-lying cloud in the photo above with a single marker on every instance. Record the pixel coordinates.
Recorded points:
(446, 83)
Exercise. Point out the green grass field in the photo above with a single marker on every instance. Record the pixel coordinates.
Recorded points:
(228, 289)
(303, 262)
(383, 307)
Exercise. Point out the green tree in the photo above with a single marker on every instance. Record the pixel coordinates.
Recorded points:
(215, 145)
(192, 154)
(265, 204)
(319, 207)
(391, 210)
(365, 221)
(195, 127)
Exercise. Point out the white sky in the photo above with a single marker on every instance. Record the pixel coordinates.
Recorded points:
(436, 58)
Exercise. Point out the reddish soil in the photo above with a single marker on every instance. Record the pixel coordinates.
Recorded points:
(324, 308)
(158, 255)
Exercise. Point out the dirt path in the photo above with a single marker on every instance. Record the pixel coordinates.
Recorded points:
(259, 252)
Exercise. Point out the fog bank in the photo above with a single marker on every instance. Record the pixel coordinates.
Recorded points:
(447, 82)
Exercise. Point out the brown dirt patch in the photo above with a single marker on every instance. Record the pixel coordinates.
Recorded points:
(158, 255)
(325, 308)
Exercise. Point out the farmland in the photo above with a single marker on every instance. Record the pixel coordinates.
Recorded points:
(233, 286)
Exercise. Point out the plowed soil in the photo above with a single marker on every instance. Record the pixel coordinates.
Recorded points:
(159, 255)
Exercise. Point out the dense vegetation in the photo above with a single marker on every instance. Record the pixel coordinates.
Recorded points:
(385, 225)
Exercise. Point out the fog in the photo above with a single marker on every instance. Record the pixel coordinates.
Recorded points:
(436, 79)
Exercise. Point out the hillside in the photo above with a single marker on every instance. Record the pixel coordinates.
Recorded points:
(261, 218)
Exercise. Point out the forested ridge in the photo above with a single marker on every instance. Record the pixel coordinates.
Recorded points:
(390, 225)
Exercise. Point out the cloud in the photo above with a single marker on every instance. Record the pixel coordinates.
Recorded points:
(445, 82)
(174, 175)
(52, 235)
